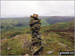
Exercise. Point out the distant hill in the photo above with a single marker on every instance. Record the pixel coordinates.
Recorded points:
(9, 23)
(62, 27)
(56, 19)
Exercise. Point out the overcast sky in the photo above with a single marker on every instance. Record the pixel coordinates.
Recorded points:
(43, 8)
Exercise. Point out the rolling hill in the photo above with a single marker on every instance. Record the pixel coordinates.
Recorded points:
(56, 37)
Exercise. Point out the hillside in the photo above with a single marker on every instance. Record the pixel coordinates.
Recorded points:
(55, 37)
(10, 23)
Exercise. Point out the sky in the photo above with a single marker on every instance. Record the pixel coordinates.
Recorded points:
(42, 8)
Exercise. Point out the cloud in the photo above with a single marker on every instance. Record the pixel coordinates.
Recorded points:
(43, 8)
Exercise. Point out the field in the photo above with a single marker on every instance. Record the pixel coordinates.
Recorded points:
(57, 34)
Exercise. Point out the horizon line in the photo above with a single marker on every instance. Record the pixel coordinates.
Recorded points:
(39, 16)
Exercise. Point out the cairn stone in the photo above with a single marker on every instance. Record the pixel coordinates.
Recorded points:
(35, 24)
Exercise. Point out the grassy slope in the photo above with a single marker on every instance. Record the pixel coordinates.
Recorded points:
(53, 41)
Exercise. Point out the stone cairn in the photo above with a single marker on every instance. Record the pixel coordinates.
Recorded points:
(36, 45)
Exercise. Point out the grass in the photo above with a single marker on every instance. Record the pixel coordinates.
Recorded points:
(13, 40)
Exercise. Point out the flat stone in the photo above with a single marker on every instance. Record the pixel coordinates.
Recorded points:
(26, 55)
(49, 52)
